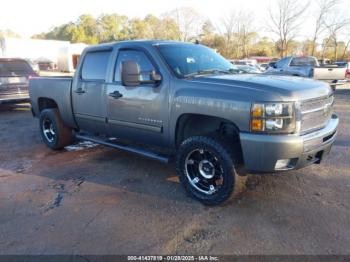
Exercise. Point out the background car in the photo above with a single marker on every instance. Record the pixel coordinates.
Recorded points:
(14, 76)
(264, 66)
(246, 69)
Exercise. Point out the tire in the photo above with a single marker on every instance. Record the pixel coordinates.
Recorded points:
(55, 134)
(197, 178)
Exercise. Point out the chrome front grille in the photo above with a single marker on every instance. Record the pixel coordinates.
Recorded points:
(316, 113)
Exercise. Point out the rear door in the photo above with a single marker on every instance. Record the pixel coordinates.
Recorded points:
(89, 104)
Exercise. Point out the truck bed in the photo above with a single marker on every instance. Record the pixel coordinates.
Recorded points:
(55, 88)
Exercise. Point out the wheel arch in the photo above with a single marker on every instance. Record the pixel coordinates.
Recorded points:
(46, 103)
(43, 103)
(191, 124)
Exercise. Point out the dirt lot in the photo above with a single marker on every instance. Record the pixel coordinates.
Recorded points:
(104, 201)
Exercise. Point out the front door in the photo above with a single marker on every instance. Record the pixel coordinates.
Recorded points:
(137, 112)
(89, 104)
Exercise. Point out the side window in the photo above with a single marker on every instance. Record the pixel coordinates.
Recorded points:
(294, 62)
(95, 65)
(146, 67)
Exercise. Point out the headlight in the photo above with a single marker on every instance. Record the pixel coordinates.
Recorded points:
(273, 117)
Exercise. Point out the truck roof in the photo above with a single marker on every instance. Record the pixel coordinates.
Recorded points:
(7, 59)
(135, 42)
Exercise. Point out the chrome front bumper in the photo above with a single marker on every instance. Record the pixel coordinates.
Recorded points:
(261, 152)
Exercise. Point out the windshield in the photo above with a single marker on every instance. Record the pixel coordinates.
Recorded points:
(15, 68)
(187, 60)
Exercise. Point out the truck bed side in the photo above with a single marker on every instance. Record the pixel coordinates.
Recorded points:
(56, 89)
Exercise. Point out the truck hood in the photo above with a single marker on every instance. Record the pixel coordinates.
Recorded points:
(284, 88)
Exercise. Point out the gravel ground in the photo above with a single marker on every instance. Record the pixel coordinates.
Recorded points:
(98, 200)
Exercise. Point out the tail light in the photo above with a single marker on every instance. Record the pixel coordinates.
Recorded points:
(32, 76)
(347, 72)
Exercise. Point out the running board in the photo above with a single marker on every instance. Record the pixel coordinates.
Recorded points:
(136, 150)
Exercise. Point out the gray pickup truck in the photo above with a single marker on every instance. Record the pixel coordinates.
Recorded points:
(185, 100)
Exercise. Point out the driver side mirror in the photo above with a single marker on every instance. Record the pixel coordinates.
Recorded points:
(131, 75)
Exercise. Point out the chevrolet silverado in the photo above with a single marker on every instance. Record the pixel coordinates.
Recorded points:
(184, 100)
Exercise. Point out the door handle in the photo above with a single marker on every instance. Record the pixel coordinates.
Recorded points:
(116, 94)
(79, 91)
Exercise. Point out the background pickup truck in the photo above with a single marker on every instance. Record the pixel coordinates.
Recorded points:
(309, 67)
(184, 100)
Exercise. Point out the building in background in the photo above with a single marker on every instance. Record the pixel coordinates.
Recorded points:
(68, 57)
(48, 54)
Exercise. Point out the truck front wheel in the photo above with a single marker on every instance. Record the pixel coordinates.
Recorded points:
(206, 168)
(53, 131)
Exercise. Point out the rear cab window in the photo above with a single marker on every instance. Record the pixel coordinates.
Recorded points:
(303, 61)
(95, 66)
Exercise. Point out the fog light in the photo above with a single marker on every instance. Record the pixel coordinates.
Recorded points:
(282, 164)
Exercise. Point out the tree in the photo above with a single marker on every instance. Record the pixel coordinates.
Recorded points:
(324, 7)
(211, 38)
(264, 47)
(152, 27)
(139, 29)
(245, 33)
(308, 47)
(84, 30)
(189, 23)
(285, 21)
(207, 30)
(345, 50)
(335, 24)
(239, 34)
(168, 29)
(112, 27)
(229, 23)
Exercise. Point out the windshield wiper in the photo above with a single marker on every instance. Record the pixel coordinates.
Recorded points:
(208, 72)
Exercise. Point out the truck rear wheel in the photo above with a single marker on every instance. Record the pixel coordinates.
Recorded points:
(206, 168)
(53, 131)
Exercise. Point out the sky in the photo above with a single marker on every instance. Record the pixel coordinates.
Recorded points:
(30, 17)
